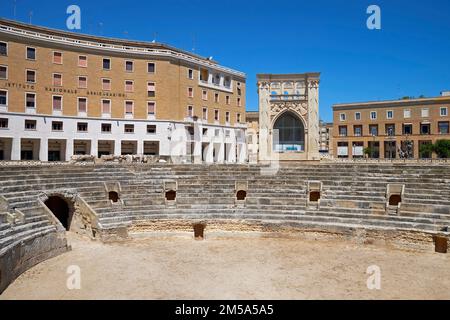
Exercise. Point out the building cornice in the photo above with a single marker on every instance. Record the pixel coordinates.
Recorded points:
(117, 46)
(288, 77)
(391, 103)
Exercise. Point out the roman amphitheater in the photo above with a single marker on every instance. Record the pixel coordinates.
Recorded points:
(163, 231)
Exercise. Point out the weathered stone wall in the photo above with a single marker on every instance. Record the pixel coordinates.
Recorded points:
(31, 251)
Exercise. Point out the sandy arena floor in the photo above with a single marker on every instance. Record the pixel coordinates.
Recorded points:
(235, 268)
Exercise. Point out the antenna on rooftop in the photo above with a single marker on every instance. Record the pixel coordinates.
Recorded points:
(31, 15)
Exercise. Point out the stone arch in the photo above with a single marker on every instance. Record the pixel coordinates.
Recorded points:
(241, 195)
(171, 195)
(395, 199)
(62, 208)
(293, 131)
(113, 196)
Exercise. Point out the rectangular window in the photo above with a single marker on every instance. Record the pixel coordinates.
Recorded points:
(425, 113)
(57, 80)
(57, 126)
(82, 82)
(30, 100)
(227, 117)
(82, 105)
(3, 97)
(357, 131)
(443, 127)
(3, 72)
(106, 84)
(343, 117)
(227, 82)
(238, 118)
(106, 127)
(407, 113)
(57, 57)
(129, 128)
(3, 123)
(373, 129)
(216, 98)
(30, 124)
(151, 89)
(106, 64)
(390, 130)
(390, 114)
(31, 76)
(57, 103)
(151, 108)
(151, 129)
(342, 131)
(227, 99)
(151, 67)
(106, 106)
(444, 112)
(190, 111)
(357, 115)
(129, 107)
(82, 61)
(373, 115)
(191, 74)
(82, 127)
(129, 86)
(3, 49)
(205, 95)
(216, 115)
(425, 128)
(407, 129)
(129, 66)
(239, 91)
(239, 102)
(190, 92)
(205, 114)
(31, 53)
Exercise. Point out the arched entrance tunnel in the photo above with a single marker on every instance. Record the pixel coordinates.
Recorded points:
(60, 208)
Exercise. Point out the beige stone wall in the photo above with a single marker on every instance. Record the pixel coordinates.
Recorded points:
(171, 79)
(415, 106)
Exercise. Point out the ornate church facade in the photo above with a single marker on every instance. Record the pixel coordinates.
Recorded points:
(288, 117)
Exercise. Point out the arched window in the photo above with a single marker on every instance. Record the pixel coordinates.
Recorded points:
(291, 134)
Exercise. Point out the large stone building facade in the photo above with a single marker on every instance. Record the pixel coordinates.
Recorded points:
(390, 129)
(288, 117)
(65, 94)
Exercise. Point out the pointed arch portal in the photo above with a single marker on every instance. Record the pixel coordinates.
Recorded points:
(291, 133)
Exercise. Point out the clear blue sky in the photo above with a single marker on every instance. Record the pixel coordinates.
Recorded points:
(409, 56)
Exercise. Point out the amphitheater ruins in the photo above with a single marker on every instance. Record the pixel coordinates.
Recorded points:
(405, 205)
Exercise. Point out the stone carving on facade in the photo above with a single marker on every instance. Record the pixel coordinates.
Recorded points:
(281, 106)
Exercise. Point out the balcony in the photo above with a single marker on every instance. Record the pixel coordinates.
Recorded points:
(213, 85)
(287, 97)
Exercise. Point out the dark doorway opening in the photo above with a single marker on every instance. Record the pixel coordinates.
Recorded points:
(199, 231)
(314, 196)
(60, 209)
(241, 195)
(26, 155)
(440, 244)
(113, 196)
(395, 199)
(171, 195)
